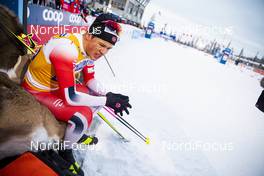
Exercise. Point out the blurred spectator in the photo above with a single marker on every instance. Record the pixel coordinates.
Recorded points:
(237, 61)
(58, 4)
(51, 3)
(72, 6)
(42, 2)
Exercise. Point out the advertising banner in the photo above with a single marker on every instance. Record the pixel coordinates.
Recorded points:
(46, 22)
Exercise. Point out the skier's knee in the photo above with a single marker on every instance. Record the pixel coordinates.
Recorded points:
(87, 114)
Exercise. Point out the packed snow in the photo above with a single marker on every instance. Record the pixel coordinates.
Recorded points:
(200, 115)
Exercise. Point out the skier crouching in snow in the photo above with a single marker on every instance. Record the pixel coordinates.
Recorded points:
(50, 78)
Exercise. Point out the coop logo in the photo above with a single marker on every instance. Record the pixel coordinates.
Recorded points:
(75, 18)
(49, 15)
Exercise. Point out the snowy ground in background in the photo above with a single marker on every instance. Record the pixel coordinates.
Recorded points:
(179, 96)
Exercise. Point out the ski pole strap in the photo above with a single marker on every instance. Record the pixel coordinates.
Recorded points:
(111, 126)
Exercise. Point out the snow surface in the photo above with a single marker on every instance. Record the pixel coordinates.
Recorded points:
(181, 97)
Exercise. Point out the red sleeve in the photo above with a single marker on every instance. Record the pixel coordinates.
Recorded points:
(62, 59)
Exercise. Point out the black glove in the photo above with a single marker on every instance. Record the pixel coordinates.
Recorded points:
(118, 102)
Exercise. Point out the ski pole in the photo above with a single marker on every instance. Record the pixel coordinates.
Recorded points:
(108, 64)
(111, 126)
(133, 129)
(129, 126)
